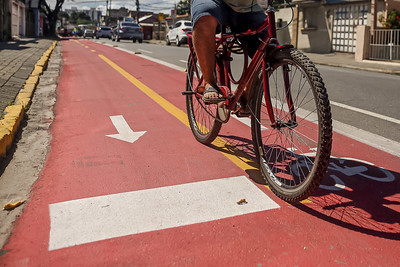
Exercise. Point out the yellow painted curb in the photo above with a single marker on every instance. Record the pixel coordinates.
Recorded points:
(37, 71)
(24, 101)
(5, 138)
(14, 114)
(32, 80)
(13, 117)
(29, 88)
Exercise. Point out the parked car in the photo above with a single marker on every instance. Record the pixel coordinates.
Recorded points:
(103, 31)
(177, 33)
(128, 31)
(88, 33)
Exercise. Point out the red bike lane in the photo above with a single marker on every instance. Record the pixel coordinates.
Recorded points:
(352, 220)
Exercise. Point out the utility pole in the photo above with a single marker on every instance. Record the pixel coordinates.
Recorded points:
(137, 10)
(107, 16)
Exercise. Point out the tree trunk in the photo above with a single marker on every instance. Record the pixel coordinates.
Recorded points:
(52, 26)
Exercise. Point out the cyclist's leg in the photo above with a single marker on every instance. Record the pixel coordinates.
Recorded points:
(206, 16)
(204, 45)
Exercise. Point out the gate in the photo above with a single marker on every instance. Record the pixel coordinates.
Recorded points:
(345, 21)
(384, 45)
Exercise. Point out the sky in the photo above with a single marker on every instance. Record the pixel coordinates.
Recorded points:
(155, 6)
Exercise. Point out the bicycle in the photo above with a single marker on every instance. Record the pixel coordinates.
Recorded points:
(288, 102)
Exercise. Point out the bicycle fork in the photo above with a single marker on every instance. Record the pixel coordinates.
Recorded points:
(276, 122)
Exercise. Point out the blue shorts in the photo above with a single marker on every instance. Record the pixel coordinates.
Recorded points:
(239, 22)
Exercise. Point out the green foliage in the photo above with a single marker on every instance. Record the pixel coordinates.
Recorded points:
(183, 7)
(392, 21)
(79, 18)
(62, 15)
(82, 21)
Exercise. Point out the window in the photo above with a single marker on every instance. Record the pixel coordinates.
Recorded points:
(130, 24)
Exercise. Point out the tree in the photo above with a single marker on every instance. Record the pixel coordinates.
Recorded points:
(183, 7)
(392, 21)
(51, 15)
(63, 15)
(79, 18)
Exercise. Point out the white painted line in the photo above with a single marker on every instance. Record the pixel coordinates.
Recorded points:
(149, 52)
(244, 120)
(184, 61)
(99, 218)
(161, 62)
(371, 139)
(172, 66)
(363, 111)
(247, 121)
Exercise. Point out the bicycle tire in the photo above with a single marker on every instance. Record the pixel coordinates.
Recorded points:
(203, 119)
(285, 150)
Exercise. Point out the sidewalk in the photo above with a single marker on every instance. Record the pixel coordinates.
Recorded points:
(21, 64)
(346, 60)
(17, 61)
(343, 60)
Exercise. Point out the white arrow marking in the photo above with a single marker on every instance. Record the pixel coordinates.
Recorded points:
(125, 133)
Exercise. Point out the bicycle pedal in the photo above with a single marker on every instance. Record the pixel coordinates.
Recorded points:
(241, 114)
(188, 93)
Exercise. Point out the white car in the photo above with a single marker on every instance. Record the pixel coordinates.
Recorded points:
(177, 33)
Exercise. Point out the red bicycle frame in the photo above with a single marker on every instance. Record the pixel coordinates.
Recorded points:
(263, 55)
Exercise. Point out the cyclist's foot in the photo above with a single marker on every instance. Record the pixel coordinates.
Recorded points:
(213, 95)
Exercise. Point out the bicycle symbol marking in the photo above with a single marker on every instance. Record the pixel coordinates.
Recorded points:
(348, 171)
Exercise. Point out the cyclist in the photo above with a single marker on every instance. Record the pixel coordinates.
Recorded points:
(207, 17)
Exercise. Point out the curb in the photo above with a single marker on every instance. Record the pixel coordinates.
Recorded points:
(387, 71)
(15, 113)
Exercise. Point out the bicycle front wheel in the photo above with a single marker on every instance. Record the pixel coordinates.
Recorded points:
(205, 120)
(293, 140)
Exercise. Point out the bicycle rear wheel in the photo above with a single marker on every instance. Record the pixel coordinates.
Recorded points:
(205, 120)
(294, 146)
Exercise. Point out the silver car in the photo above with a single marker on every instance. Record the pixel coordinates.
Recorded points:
(103, 31)
(128, 31)
(88, 33)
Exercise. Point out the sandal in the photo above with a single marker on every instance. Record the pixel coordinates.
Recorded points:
(212, 100)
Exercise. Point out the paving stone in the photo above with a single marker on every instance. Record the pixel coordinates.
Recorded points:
(17, 61)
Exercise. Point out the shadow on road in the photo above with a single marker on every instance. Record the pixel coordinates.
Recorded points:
(354, 194)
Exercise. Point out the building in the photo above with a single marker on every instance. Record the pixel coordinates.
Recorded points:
(147, 22)
(20, 18)
(325, 26)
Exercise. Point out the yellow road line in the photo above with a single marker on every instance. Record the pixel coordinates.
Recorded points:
(241, 159)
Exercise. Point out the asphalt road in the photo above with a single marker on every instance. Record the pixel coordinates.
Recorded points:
(362, 99)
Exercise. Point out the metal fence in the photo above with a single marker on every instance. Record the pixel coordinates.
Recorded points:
(385, 45)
